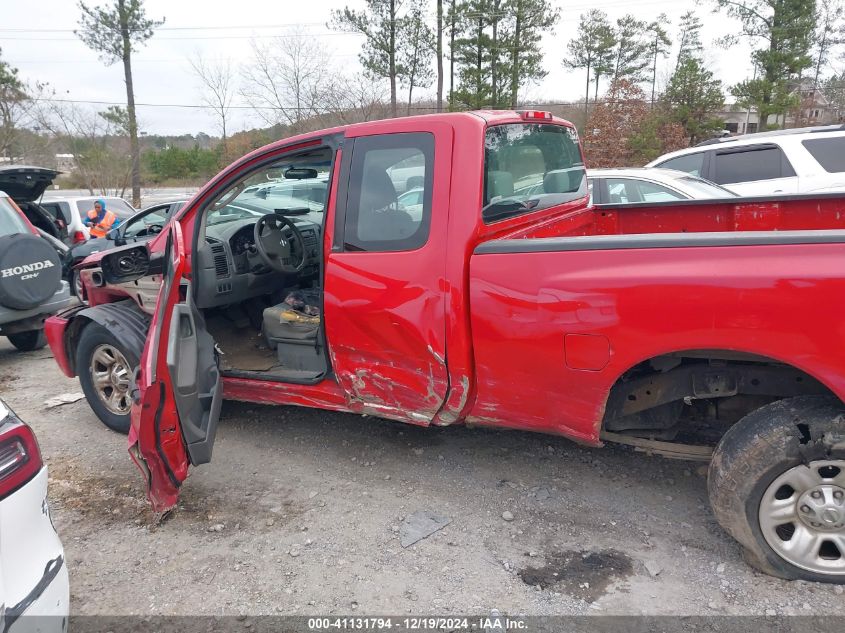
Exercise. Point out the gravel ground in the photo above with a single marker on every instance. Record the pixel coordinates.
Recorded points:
(301, 511)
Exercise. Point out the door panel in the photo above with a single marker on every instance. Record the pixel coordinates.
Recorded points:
(192, 363)
(384, 306)
(175, 417)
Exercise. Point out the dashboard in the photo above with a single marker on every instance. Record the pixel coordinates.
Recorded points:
(233, 269)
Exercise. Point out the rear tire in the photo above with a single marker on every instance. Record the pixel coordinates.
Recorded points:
(777, 485)
(106, 366)
(28, 341)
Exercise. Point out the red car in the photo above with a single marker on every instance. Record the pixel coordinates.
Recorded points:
(498, 297)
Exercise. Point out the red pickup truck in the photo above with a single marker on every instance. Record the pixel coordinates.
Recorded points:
(449, 269)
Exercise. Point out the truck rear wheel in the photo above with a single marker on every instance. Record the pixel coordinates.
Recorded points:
(105, 366)
(28, 341)
(777, 485)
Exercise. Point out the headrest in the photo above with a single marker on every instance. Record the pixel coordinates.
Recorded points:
(563, 181)
(499, 184)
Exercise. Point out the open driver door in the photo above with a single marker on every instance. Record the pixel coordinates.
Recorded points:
(174, 417)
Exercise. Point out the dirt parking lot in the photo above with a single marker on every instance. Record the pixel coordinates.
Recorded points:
(301, 512)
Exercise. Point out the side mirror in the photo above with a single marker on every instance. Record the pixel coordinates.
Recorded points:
(113, 235)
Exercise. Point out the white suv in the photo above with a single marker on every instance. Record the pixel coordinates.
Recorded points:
(799, 160)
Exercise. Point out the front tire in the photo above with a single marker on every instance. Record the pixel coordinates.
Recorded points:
(105, 366)
(76, 286)
(777, 485)
(28, 341)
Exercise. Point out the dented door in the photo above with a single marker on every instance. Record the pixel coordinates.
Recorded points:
(384, 288)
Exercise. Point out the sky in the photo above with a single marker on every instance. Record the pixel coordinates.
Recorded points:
(42, 45)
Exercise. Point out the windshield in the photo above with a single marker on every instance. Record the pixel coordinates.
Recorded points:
(706, 189)
(11, 221)
(528, 167)
(297, 185)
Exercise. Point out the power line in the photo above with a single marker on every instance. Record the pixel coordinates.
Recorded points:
(203, 37)
(178, 28)
(251, 107)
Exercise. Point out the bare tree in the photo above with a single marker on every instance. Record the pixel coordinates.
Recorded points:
(98, 141)
(286, 81)
(354, 99)
(218, 85)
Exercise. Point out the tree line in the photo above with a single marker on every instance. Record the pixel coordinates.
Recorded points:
(473, 54)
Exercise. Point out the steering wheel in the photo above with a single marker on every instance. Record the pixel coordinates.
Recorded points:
(279, 243)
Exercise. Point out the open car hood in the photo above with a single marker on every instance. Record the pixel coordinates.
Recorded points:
(25, 184)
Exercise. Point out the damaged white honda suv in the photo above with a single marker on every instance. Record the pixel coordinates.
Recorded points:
(34, 590)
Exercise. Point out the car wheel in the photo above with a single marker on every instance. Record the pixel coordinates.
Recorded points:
(105, 366)
(28, 341)
(76, 286)
(777, 485)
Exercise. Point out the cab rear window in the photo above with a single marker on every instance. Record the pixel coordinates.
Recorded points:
(528, 167)
(11, 221)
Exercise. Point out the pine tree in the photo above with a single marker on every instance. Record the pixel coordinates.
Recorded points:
(530, 19)
(595, 40)
(692, 97)
(659, 46)
(497, 50)
(689, 38)
(417, 45)
(116, 30)
(785, 28)
(380, 24)
(632, 49)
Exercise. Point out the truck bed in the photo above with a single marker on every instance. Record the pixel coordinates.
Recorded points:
(556, 321)
(785, 213)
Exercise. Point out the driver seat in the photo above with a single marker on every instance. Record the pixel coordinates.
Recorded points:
(291, 328)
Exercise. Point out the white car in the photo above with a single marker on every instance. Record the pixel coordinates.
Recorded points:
(799, 160)
(34, 589)
(625, 186)
(75, 209)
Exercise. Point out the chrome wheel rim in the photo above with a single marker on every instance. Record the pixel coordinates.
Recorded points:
(111, 375)
(802, 516)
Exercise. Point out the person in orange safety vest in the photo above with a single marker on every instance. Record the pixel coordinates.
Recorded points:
(100, 220)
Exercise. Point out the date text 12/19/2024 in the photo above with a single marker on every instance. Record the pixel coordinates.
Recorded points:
(480, 623)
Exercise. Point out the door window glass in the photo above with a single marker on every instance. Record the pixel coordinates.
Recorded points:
(57, 210)
(623, 190)
(690, 163)
(749, 165)
(390, 191)
(828, 152)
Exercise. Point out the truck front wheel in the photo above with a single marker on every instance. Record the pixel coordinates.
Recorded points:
(105, 366)
(777, 485)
